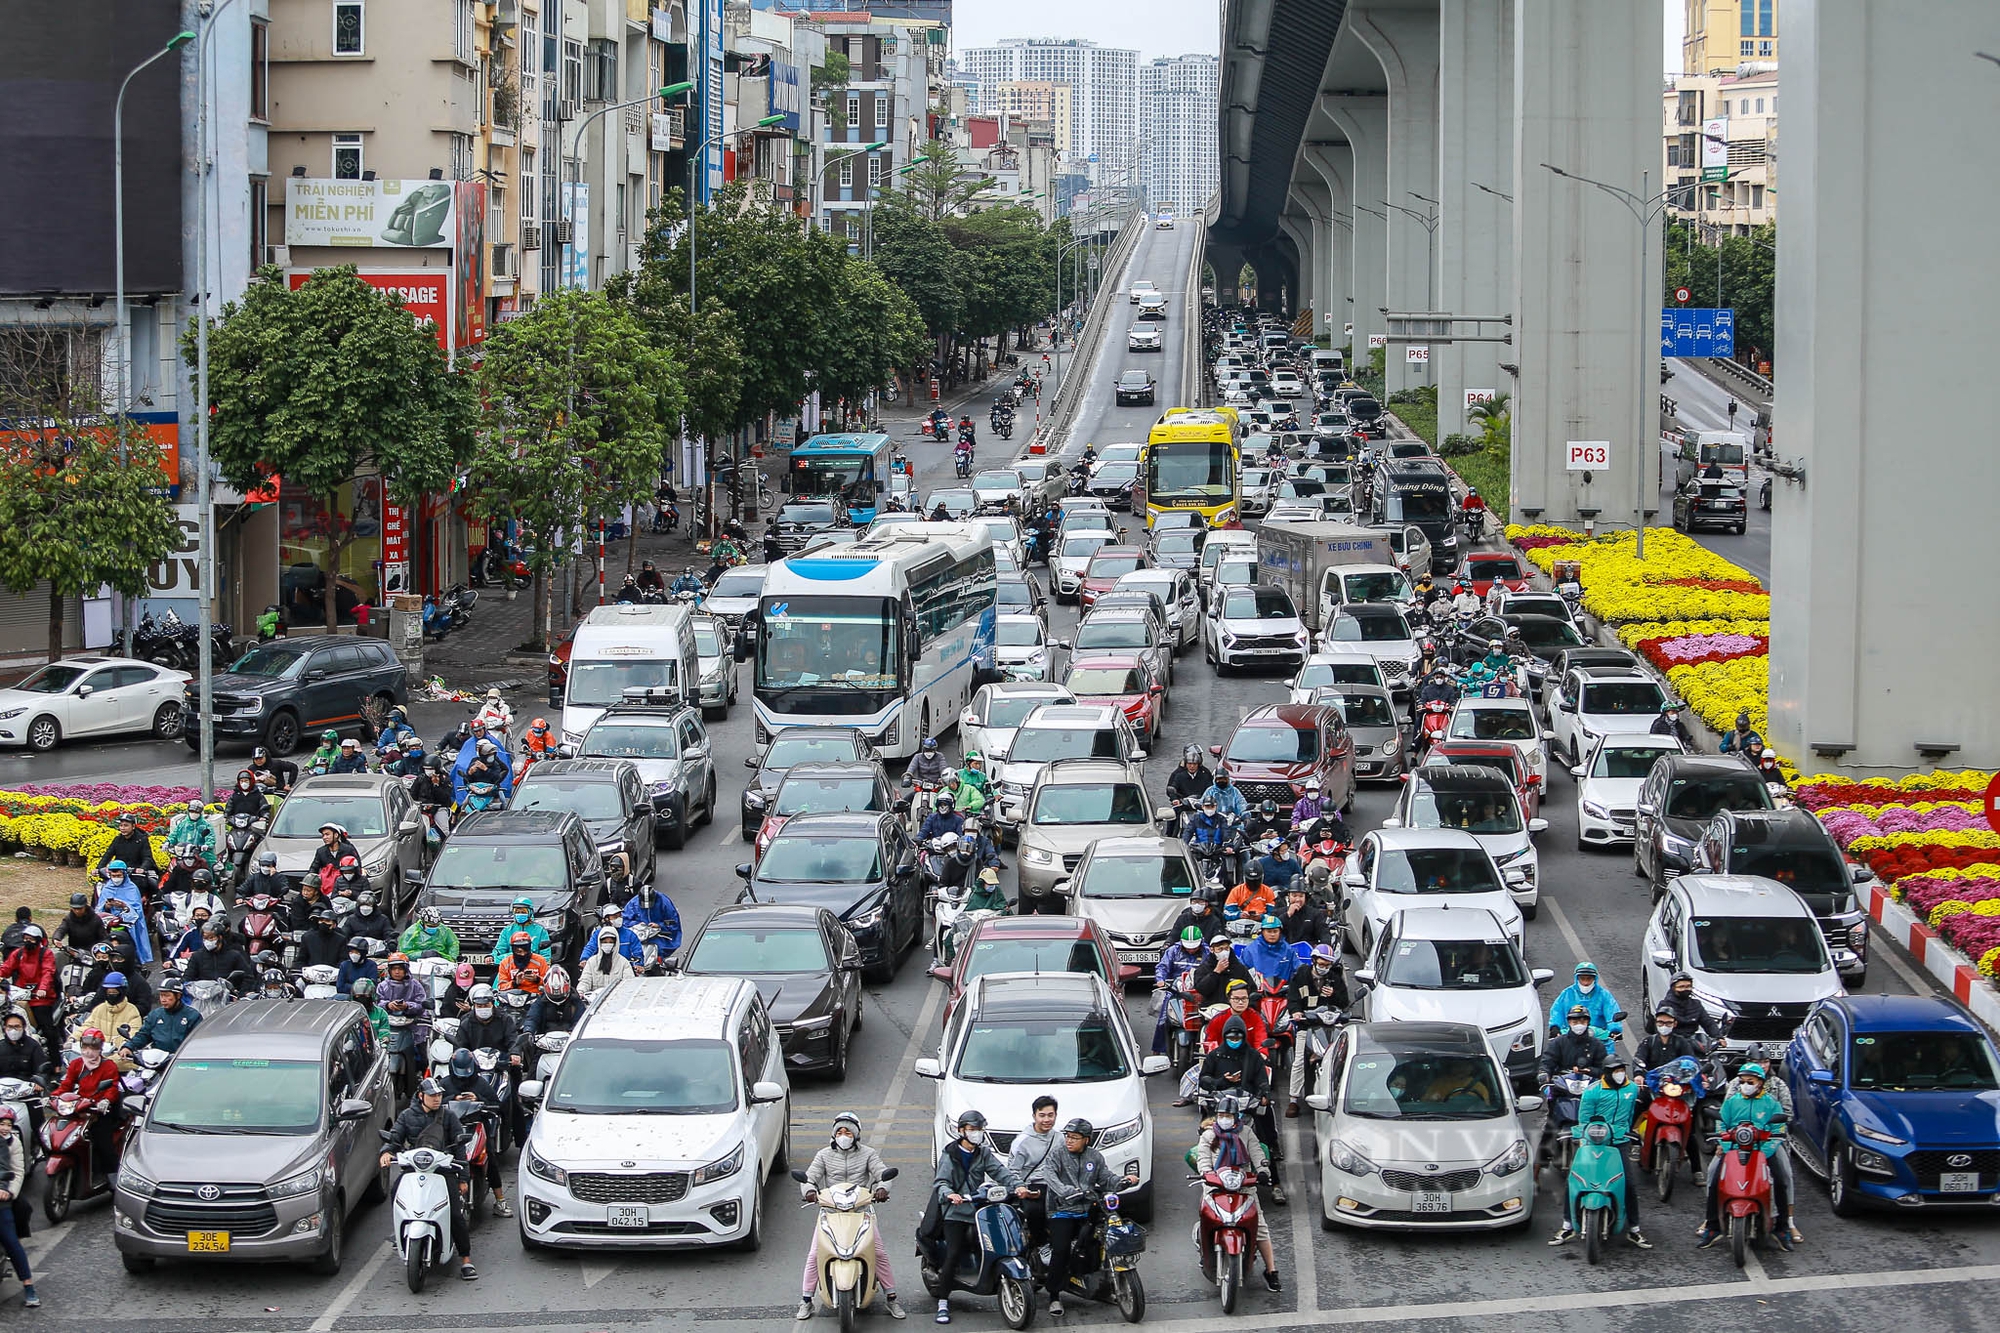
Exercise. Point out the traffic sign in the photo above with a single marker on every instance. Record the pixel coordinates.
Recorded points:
(1697, 331)
(1993, 803)
(1416, 354)
(1589, 455)
(1683, 295)
(1475, 397)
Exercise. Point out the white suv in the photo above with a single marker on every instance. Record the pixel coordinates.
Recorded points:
(667, 1111)
(1395, 869)
(1593, 702)
(1480, 801)
(1059, 731)
(1254, 626)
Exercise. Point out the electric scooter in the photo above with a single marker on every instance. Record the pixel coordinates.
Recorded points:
(997, 1266)
(421, 1214)
(1104, 1262)
(844, 1245)
(1744, 1191)
(1597, 1188)
(1226, 1232)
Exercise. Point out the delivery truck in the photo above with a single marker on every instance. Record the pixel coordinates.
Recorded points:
(1300, 556)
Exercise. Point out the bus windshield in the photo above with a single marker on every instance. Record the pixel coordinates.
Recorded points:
(1190, 469)
(850, 476)
(841, 642)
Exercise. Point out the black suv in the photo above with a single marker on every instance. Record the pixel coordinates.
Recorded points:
(795, 745)
(1793, 848)
(607, 795)
(1680, 796)
(495, 858)
(1711, 504)
(282, 691)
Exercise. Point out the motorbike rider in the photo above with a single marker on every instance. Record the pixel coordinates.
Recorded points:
(986, 894)
(605, 967)
(1174, 972)
(1222, 967)
(356, 967)
(1666, 1043)
(218, 959)
(928, 765)
(523, 969)
(1320, 985)
(966, 1163)
(1305, 921)
(1075, 1179)
(1690, 1015)
(1465, 603)
(367, 918)
(424, 1123)
(1752, 1103)
(1496, 660)
(650, 907)
(1203, 912)
(650, 579)
(399, 762)
(1264, 821)
(943, 818)
(321, 944)
(363, 994)
(628, 591)
(190, 829)
(405, 997)
(121, 899)
(284, 771)
(687, 581)
(264, 878)
(1228, 799)
(1186, 783)
(1739, 738)
(462, 1082)
(1269, 956)
(1308, 807)
(132, 846)
(974, 781)
(629, 946)
(1668, 723)
(333, 848)
(432, 789)
(1253, 897)
(522, 922)
(168, 1025)
(1281, 868)
(94, 1079)
(23, 1056)
(538, 742)
(429, 937)
(940, 423)
(1225, 1141)
(487, 1026)
(557, 1009)
(486, 762)
(456, 999)
(1614, 1099)
(1237, 1065)
(246, 799)
(396, 729)
(350, 758)
(1587, 991)
(1437, 688)
(1208, 834)
(80, 928)
(846, 1160)
(34, 967)
(1573, 1048)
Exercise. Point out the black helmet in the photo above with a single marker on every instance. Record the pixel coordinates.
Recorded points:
(1268, 807)
(462, 1064)
(1080, 1126)
(79, 900)
(1253, 874)
(972, 1118)
(204, 877)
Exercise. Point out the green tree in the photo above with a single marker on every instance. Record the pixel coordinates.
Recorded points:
(913, 252)
(934, 184)
(1748, 271)
(708, 345)
(827, 80)
(322, 384)
(580, 403)
(82, 501)
(885, 336)
(1010, 268)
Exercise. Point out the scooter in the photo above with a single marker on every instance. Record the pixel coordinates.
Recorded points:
(1744, 1190)
(260, 924)
(1104, 1263)
(1565, 1095)
(961, 460)
(245, 832)
(482, 1124)
(421, 1214)
(72, 1177)
(1226, 1229)
(21, 1096)
(1433, 721)
(319, 982)
(1669, 1120)
(1597, 1188)
(480, 797)
(844, 1246)
(999, 1265)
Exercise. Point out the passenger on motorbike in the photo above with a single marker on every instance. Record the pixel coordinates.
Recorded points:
(429, 937)
(115, 1015)
(357, 966)
(605, 967)
(1309, 806)
(350, 759)
(649, 906)
(523, 969)
(1281, 869)
(1754, 1104)
(1305, 922)
(1203, 912)
(246, 799)
(1236, 1065)
(168, 1025)
(630, 947)
(1737, 741)
(464, 1083)
(846, 1160)
(943, 818)
(1269, 956)
(218, 959)
(424, 1123)
(363, 994)
(1174, 973)
(1229, 1140)
(1691, 1016)
(405, 997)
(1221, 968)
(963, 1167)
(1320, 985)
(321, 944)
(557, 1009)
(1595, 998)
(1614, 1099)
(523, 922)
(1228, 799)
(486, 1026)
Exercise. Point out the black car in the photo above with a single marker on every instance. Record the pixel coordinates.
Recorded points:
(1546, 638)
(803, 517)
(494, 859)
(861, 867)
(1134, 386)
(1113, 483)
(804, 964)
(815, 788)
(1680, 796)
(1794, 848)
(795, 745)
(278, 693)
(1711, 504)
(1020, 594)
(608, 795)
(1571, 658)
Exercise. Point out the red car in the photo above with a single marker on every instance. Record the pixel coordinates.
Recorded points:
(1110, 564)
(1121, 679)
(1482, 568)
(1032, 944)
(1493, 754)
(1279, 746)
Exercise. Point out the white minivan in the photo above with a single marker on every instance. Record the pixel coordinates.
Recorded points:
(668, 1110)
(623, 646)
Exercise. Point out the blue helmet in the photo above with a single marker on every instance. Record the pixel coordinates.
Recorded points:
(114, 981)
(117, 865)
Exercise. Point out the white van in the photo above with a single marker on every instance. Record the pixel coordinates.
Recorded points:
(1326, 362)
(626, 646)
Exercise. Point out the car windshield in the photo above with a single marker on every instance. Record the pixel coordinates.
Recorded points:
(1356, 672)
(1136, 877)
(802, 794)
(707, 642)
(1474, 810)
(1402, 1084)
(1370, 629)
(1453, 965)
(1259, 604)
(1638, 698)
(1113, 566)
(1493, 724)
(806, 511)
(1361, 710)
(1700, 798)
(466, 864)
(303, 812)
(1273, 745)
(1923, 1061)
(1012, 592)
(270, 662)
(1377, 587)
(1507, 763)
(51, 680)
(1085, 682)
(807, 858)
(1084, 544)
(590, 799)
(1547, 632)
(1090, 803)
(738, 583)
(1005, 1050)
(1808, 867)
(996, 479)
(1624, 761)
(631, 740)
(1114, 474)
(1758, 944)
(1002, 530)
(749, 951)
(1132, 379)
(1435, 870)
(1041, 745)
(1098, 633)
(1018, 633)
(634, 1077)
(239, 1097)
(600, 684)
(1503, 567)
(955, 501)
(1013, 953)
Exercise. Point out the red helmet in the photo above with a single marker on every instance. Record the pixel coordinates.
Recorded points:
(350, 863)
(397, 959)
(90, 1037)
(521, 937)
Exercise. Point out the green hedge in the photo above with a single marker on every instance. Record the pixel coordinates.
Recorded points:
(1487, 471)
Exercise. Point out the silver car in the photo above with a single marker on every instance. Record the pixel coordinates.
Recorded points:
(1075, 803)
(718, 666)
(1116, 629)
(384, 825)
(1023, 650)
(1380, 744)
(1134, 888)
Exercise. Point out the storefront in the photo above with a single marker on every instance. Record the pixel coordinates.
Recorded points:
(306, 531)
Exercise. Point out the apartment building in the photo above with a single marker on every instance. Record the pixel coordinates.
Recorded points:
(1104, 93)
(1177, 118)
(1719, 136)
(895, 94)
(1718, 35)
(1031, 99)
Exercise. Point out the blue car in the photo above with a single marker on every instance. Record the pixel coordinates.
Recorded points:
(1896, 1102)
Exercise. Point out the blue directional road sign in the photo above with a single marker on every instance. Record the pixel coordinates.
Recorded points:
(1685, 331)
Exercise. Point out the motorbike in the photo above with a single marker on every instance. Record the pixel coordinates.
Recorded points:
(1104, 1262)
(1597, 1188)
(997, 1265)
(844, 1246)
(1003, 427)
(480, 797)
(319, 981)
(1433, 721)
(421, 1213)
(245, 832)
(207, 997)
(961, 460)
(1564, 1095)
(1226, 1229)
(1316, 1029)
(1664, 1143)
(260, 924)
(1744, 1195)
(648, 933)
(1273, 1004)
(1184, 1020)
(73, 1178)
(1220, 864)
(22, 1096)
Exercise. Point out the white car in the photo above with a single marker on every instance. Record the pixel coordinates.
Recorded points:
(1145, 338)
(1510, 720)
(666, 1111)
(1420, 1132)
(1176, 590)
(1255, 484)
(996, 486)
(1166, 222)
(1365, 583)
(735, 593)
(1481, 801)
(1442, 965)
(1593, 702)
(1253, 626)
(1054, 731)
(1023, 650)
(1125, 451)
(1143, 287)
(1378, 629)
(1325, 669)
(1607, 786)
(996, 711)
(1394, 869)
(1225, 542)
(93, 695)
(1005, 530)
(1018, 1035)
(1287, 384)
(1073, 552)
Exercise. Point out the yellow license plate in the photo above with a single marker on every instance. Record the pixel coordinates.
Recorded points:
(208, 1242)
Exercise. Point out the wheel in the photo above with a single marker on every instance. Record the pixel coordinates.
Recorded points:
(1665, 1157)
(528, 1243)
(708, 806)
(839, 1071)
(676, 836)
(781, 1161)
(282, 736)
(1130, 1294)
(378, 1188)
(414, 1270)
(1229, 1271)
(44, 734)
(884, 972)
(167, 722)
(1840, 1194)
(1739, 1238)
(1529, 912)
(136, 1264)
(1017, 1302)
(56, 1198)
(932, 1282)
(844, 1304)
(1593, 1235)
(753, 1239)
(328, 1262)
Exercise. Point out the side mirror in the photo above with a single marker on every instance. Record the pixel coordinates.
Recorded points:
(1528, 1103)
(1128, 972)
(1392, 822)
(1138, 756)
(1365, 977)
(414, 878)
(411, 825)
(1648, 809)
(1663, 958)
(531, 1091)
(763, 1092)
(928, 1068)
(743, 872)
(85, 691)
(751, 762)
(1860, 874)
(1154, 1064)
(1541, 976)
(1578, 771)
(353, 1108)
(1538, 826)
(1215, 750)
(798, 1175)
(1824, 1076)
(967, 719)
(942, 972)
(1319, 1101)
(1157, 688)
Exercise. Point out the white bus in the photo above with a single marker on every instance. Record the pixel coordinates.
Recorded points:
(889, 635)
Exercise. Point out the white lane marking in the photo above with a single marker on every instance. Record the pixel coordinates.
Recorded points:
(1305, 1272)
(44, 1241)
(1576, 948)
(596, 1270)
(734, 835)
(352, 1288)
(905, 1065)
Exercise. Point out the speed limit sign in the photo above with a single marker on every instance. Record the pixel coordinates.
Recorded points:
(1683, 295)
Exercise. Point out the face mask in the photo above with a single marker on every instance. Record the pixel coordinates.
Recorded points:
(975, 1137)
(1618, 1077)
(1321, 969)
(1233, 1043)
(483, 1010)
(1579, 1028)
(606, 946)
(1586, 984)
(211, 945)
(1225, 1122)
(521, 917)
(17, 1034)
(354, 955)
(843, 1141)
(243, 786)
(1666, 1030)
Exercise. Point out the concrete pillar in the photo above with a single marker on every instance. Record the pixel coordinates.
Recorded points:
(1329, 288)
(1476, 236)
(1405, 41)
(1586, 277)
(1364, 119)
(1305, 288)
(1883, 629)
(1334, 164)
(1227, 261)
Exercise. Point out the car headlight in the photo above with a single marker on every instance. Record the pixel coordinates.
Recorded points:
(129, 1179)
(1595, 811)
(753, 800)
(819, 1024)
(1857, 934)
(543, 1169)
(306, 1182)
(1523, 1041)
(721, 1168)
(551, 921)
(869, 919)
(251, 706)
(572, 737)
(1507, 1163)
(1675, 843)
(1874, 1163)
(1713, 1003)
(1343, 1158)
(1877, 1136)
(12, 712)
(1123, 1132)
(1035, 856)
(1510, 858)
(376, 864)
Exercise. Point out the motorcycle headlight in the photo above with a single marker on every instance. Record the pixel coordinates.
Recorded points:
(1120, 1133)
(720, 1169)
(1343, 1158)
(306, 1182)
(1507, 1163)
(543, 1169)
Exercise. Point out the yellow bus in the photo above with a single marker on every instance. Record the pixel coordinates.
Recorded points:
(1192, 461)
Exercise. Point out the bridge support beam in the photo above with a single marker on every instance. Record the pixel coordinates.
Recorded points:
(1405, 41)
(1476, 236)
(1305, 284)
(1881, 563)
(1364, 119)
(1333, 163)
(1586, 276)
(1329, 291)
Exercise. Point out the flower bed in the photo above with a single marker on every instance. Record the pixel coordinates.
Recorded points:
(76, 821)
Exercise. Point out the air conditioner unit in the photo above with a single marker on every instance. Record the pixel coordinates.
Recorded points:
(565, 232)
(281, 255)
(531, 235)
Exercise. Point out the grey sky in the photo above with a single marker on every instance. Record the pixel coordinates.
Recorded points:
(1153, 27)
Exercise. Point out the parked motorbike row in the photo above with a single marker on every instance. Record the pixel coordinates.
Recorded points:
(173, 643)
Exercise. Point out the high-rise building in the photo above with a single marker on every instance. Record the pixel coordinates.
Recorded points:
(1177, 120)
(1030, 99)
(1721, 34)
(1104, 93)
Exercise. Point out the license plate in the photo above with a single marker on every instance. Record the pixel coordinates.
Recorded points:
(208, 1242)
(1959, 1182)
(1431, 1201)
(1138, 956)
(629, 1216)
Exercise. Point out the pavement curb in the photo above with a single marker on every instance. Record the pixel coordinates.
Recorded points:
(1929, 951)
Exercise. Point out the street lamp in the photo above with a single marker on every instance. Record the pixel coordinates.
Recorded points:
(1644, 207)
(1488, 189)
(671, 90)
(693, 158)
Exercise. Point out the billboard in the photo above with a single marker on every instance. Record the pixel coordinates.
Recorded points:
(785, 98)
(469, 263)
(402, 214)
(1715, 149)
(424, 292)
(575, 270)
